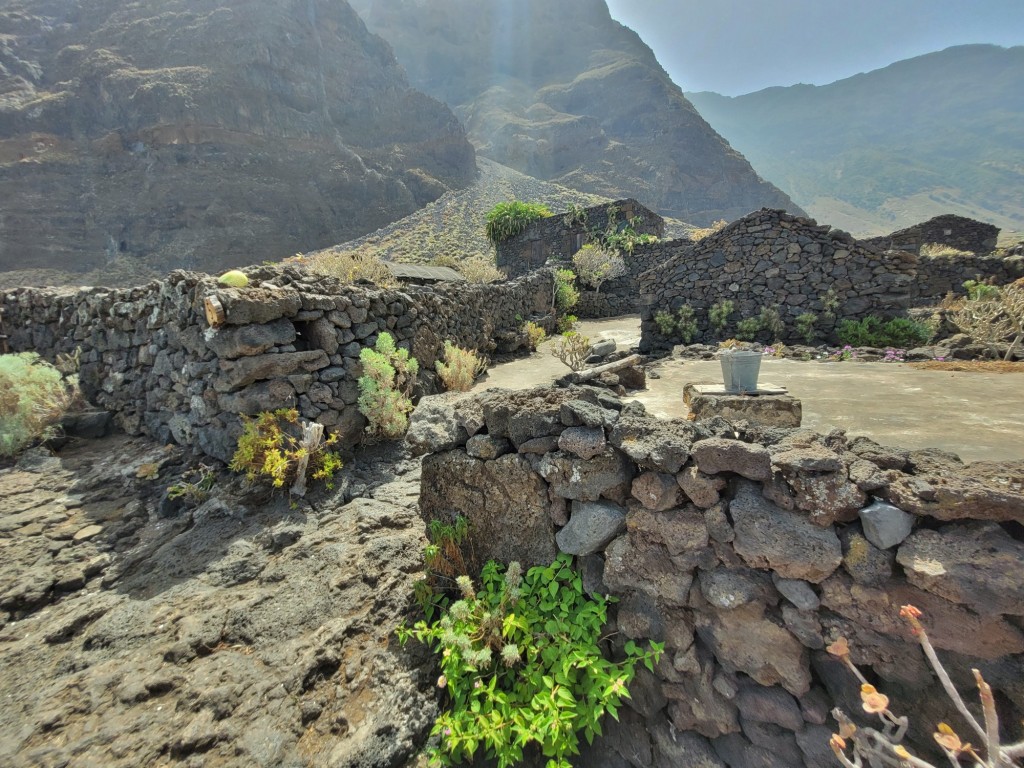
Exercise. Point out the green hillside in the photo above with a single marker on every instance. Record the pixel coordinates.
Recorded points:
(941, 133)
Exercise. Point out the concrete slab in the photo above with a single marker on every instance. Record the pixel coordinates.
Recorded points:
(978, 416)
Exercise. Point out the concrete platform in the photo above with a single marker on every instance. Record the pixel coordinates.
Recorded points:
(769, 404)
(979, 416)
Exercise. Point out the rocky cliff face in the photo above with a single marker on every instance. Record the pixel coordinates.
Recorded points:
(201, 134)
(562, 92)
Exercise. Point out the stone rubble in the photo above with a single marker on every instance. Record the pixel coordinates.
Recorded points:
(685, 527)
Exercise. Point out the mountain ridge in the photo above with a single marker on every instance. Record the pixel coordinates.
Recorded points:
(566, 94)
(884, 149)
(186, 133)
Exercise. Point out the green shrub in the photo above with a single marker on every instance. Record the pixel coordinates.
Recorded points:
(272, 446)
(522, 665)
(574, 215)
(871, 331)
(666, 323)
(565, 324)
(385, 388)
(682, 325)
(748, 328)
(535, 335)
(621, 237)
(977, 291)
(460, 368)
(33, 399)
(566, 296)
(719, 315)
(771, 321)
(507, 220)
(594, 265)
(904, 333)
(805, 323)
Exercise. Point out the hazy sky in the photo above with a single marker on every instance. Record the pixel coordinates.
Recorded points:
(739, 46)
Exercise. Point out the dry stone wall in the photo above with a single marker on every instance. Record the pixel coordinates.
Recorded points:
(775, 260)
(558, 237)
(958, 232)
(290, 339)
(746, 551)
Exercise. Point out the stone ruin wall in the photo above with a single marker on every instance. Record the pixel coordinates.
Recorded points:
(553, 238)
(621, 296)
(958, 232)
(809, 258)
(771, 258)
(746, 553)
(291, 339)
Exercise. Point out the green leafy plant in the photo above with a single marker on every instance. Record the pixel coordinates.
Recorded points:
(385, 388)
(871, 331)
(565, 324)
(805, 323)
(448, 556)
(34, 396)
(573, 350)
(535, 335)
(620, 236)
(281, 447)
(508, 219)
(748, 328)
(771, 321)
(460, 368)
(719, 314)
(522, 666)
(976, 290)
(595, 265)
(196, 489)
(666, 323)
(574, 215)
(565, 294)
(682, 324)
(627, 239)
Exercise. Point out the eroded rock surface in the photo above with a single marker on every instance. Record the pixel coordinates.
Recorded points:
(207, 135)
(236, 632)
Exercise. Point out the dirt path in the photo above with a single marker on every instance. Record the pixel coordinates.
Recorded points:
(978, 416)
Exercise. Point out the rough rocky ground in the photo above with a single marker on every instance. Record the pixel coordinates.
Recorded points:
(240, 632)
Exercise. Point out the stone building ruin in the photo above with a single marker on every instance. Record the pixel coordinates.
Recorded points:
(558, 237)
(957, 232)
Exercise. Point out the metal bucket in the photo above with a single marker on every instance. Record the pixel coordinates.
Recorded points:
(740, 369)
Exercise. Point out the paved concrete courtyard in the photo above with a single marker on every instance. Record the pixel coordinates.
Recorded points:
(979, 416)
